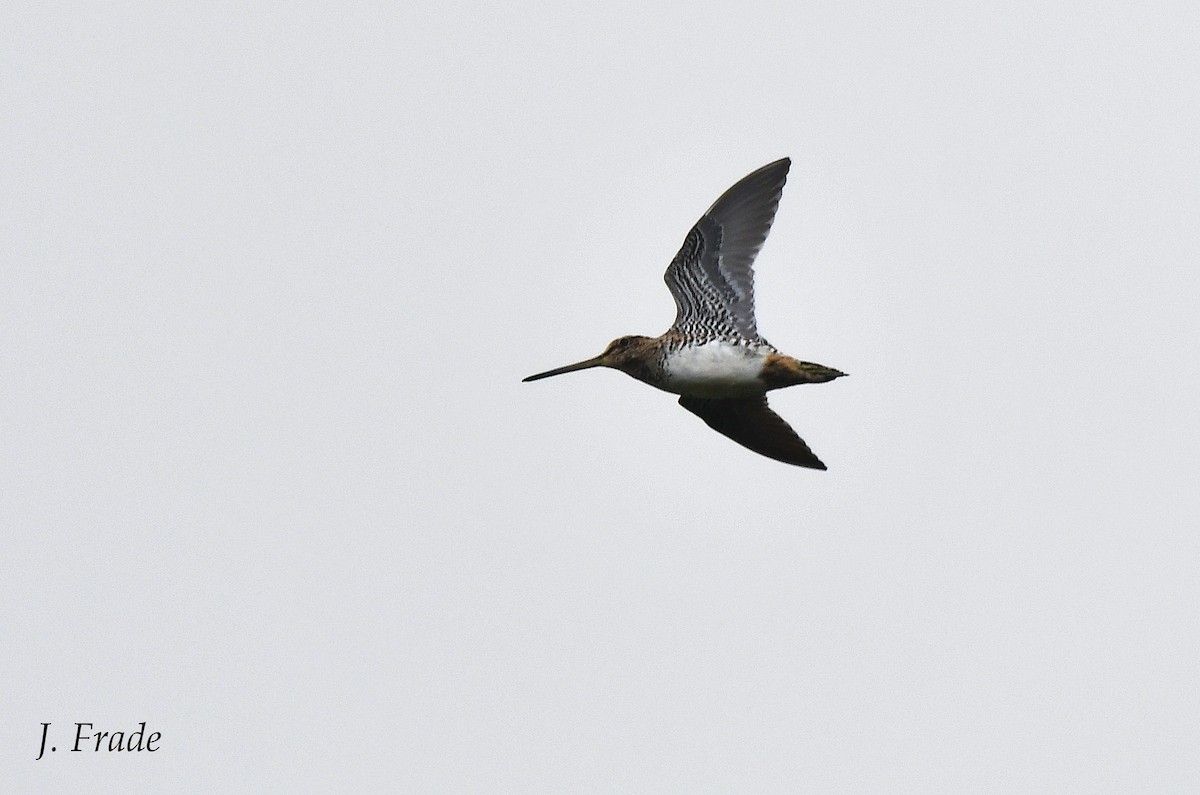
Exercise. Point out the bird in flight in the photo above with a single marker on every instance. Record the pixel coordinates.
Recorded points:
(713, 356)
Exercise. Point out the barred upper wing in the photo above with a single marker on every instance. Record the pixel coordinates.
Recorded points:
(712, 276)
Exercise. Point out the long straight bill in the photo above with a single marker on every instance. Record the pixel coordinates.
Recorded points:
(598, 361)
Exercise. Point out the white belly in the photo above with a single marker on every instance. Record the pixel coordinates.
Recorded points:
(715, 370)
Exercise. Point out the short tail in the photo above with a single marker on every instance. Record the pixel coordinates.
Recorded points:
(780, 371)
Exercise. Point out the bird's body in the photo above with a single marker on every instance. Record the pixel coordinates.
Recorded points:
(713, 356)
(716, 369)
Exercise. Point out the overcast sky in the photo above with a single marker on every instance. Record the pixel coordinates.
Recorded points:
(271, 482)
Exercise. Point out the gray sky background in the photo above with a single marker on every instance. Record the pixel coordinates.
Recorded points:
(271, 482)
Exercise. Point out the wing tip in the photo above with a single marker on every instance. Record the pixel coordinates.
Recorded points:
(781, 166)
(802, 458)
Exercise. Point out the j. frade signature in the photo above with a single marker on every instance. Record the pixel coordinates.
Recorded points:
(86, 740)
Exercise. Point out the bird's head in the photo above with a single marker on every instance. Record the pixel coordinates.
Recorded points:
(623, 353)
